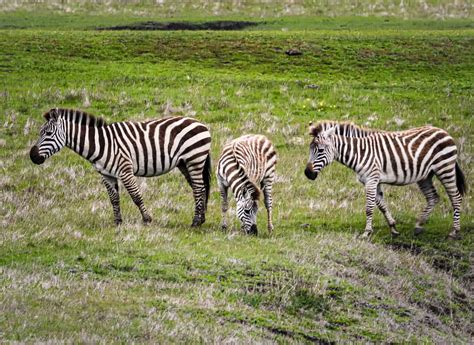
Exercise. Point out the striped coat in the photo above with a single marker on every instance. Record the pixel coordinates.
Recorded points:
(247, 167)
(398, 158)
(124, 150)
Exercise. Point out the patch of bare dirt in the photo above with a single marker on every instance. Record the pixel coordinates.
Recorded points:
(174, 26)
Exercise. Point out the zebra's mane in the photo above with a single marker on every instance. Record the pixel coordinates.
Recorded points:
(76, 116)
(347, 129)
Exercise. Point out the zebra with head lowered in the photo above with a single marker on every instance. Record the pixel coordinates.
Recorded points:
(123, 150)
(246, 165)
(397, 158)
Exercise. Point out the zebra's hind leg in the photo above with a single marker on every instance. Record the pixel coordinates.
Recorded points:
(448, 179)
(370, 197)
(194, 175)
(432, 198)
(225, 202)
(130, 183)
(379, 200)
(111, 183)
(267, 194)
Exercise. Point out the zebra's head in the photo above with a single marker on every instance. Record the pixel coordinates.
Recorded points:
(247, 207)
(321, 152)
(52, 138)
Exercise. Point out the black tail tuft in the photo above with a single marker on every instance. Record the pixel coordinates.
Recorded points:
(206, 176)
(460, 180)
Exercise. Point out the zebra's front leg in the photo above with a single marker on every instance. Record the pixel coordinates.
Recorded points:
(370, 197)
(267, 194)
(111, 183)
(379, 200)
(223, 189)
(130, 183)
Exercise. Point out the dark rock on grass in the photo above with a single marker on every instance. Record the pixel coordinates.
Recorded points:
(293, 52)
(173, 26)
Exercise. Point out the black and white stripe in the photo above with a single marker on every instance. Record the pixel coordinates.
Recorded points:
(123, 150)
(397, 158)
(246, 165)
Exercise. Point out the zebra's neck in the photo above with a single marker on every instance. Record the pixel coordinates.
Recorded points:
(84, 133)
(347, 150)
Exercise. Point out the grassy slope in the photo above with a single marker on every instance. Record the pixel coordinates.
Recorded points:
(68, 274)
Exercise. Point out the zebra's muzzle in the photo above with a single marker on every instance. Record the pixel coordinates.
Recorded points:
(253, 230)
(310, 173)
(35, 156)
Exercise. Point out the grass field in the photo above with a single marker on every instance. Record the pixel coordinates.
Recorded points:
(67, 274)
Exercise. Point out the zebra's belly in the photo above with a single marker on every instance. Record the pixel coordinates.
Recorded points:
(399, 181)
(390, 178)
(151, 172)
(99, 167)
(153, 166)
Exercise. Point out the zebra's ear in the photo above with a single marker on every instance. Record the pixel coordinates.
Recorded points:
(331, 131)
(312, 128)
(256, 194)
(52, 114)
(247, 194)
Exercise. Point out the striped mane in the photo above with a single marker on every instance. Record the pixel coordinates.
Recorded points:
(346, 129)
(76, 116)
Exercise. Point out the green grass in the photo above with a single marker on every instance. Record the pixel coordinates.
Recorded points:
(68, 274)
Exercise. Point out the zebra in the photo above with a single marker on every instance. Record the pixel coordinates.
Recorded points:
(397, 158)
(124, 150)
(247, 166)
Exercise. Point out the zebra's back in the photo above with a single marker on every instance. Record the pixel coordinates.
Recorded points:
(255, 154)
(155, 147)
(247, 159)
(409, 156)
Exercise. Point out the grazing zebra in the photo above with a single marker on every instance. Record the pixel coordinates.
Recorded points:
(246, 165)
(123, 150)
(397, 158)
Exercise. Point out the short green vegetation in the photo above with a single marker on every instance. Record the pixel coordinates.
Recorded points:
(67, 274)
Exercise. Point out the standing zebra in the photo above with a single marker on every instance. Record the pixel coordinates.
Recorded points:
(246, 165)
(397, 158)
(123, 150)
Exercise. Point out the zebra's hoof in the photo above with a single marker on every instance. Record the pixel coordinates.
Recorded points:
(394, 232)
(418, 230)
(224, 227)
(366, 235)
(146, 220)
(454, 235)
(197, 221)
(252, 232)
(118, 222)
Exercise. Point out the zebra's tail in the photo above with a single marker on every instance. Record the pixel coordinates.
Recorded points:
(206, 176)
(460, 180)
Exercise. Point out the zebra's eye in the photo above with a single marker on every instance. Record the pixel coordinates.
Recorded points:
(49, 132)
(320, 150)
